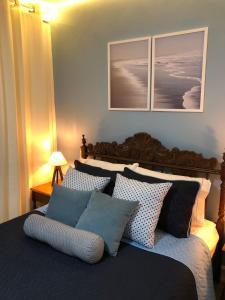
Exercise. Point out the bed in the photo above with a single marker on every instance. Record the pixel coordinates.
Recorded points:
(173, 269)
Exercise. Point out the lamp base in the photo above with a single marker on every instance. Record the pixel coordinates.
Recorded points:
(56, 174)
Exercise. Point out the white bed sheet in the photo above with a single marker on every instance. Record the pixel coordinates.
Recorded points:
(208, 234)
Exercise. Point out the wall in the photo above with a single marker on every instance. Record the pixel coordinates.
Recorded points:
(80, 68)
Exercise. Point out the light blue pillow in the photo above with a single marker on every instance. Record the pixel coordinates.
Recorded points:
(66, 205)
(107, 217)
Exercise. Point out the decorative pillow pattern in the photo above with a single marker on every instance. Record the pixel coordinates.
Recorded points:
(85, 245)
(144, 219)
(96, 171)
(175, 216)
(84, 182)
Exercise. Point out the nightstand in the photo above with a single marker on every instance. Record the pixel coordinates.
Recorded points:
(41, 194)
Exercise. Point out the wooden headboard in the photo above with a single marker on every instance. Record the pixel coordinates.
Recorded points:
(151, 154)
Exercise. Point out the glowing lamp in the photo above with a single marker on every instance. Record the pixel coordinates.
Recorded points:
(57, 160)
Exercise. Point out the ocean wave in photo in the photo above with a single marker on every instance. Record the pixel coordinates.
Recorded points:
(176, 79)
(191, 98)
(129, 83)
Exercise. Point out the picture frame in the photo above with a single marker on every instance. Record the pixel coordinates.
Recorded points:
(178, 71)
(129, 73)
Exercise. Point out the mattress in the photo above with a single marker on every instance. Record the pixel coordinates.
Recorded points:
(208, 234)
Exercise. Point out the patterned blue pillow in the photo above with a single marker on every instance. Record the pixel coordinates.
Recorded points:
(142, 224)
(84, 182)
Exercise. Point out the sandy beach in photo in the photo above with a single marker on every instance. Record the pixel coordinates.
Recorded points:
(129, 84)
(129, 74)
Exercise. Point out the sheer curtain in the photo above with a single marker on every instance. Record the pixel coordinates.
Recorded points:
(27, 115)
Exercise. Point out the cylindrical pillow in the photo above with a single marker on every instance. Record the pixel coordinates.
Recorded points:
(83, 244)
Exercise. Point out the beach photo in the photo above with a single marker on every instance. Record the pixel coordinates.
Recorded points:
(178, 71)
(129, 74)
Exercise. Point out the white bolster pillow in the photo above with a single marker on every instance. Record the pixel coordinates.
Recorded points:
(86, 245)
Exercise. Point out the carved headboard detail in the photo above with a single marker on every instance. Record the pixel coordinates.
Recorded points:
(143, 148)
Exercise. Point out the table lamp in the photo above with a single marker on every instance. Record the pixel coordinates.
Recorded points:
(57, 160)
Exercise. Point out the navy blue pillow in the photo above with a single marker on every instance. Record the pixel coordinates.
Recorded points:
(67, 205)
(175, 216)
(96, 171)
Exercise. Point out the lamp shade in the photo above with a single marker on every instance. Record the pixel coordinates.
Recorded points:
(57, 159)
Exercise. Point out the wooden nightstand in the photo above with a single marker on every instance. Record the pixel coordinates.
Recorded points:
(41, 194)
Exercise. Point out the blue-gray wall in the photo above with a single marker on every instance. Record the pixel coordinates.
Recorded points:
(80, 40)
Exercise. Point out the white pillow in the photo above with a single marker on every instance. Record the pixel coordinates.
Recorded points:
(143, 221)
(84, 182)
(198, 211)
(107, 165)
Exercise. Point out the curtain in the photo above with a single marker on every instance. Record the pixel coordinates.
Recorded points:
(27, 115)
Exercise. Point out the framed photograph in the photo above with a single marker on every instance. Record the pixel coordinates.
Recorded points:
(129, 74)
(178, 71)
